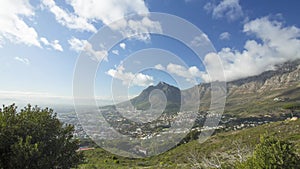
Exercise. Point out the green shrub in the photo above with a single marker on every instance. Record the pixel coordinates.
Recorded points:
(272, 153)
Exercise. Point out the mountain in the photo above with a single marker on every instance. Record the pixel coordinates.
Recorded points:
(248, 96)
(257, 93)
(151, 95)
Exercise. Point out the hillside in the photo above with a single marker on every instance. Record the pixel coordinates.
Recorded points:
(224, 145)
(250, 102)
(253, 101)
(256, 95)
(252, 96)
(172, 95)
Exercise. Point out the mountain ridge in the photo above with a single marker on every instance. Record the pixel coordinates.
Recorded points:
(172, 94)
(267, 85)
(257, 93)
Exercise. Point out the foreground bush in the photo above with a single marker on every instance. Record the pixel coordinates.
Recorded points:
(35, 138)
(272, 153)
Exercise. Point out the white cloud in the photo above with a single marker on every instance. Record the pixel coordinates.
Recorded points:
(189, 73)
(224, 36)
(230, 9)
(123, 45)
(107, 11)
(86, 13)
(159, 67)
(77, 44)
(1, 41)
(200, 40)
(84, 46)
(129, 78)
(22, 60)
(13, 27)
(54, 44)
(44, 41)
(116, 52)
(278, 45)
(178, 70)
(69, 20)
(137, 28)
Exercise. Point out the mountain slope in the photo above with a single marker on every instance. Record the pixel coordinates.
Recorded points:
(172, 95)
(225, 144)
(247, 96)
(257, 93)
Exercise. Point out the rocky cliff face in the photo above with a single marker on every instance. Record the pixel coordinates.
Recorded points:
(171, 93)
(284, 76)
(273, 83)
(283, 81)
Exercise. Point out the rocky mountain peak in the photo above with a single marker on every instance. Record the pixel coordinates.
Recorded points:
(172, 94)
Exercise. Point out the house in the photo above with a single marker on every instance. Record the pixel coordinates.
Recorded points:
(294, 119)
(140, 150)
(278, 99)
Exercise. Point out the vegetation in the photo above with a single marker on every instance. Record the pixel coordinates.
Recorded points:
(34, 138)
(272, 153)
(292, 107)
(223, 150)
(260, 104)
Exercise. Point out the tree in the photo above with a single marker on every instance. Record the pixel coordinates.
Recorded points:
(272, 153)
(35, 138)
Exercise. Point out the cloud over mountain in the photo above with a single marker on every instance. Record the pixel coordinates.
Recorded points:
(272, 43)
(129, 78)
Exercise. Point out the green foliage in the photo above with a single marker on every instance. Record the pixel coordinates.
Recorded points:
(220, 144)
(292, 106)
(35, 138)
(193, 135)
(272, 153)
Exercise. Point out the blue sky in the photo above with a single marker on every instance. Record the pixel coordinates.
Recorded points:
(40, 42)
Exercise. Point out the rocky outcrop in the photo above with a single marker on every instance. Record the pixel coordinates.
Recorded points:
(284, 76)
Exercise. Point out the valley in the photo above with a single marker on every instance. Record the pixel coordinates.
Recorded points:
(252, 104)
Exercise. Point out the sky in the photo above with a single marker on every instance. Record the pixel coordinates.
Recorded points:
(41, 43)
